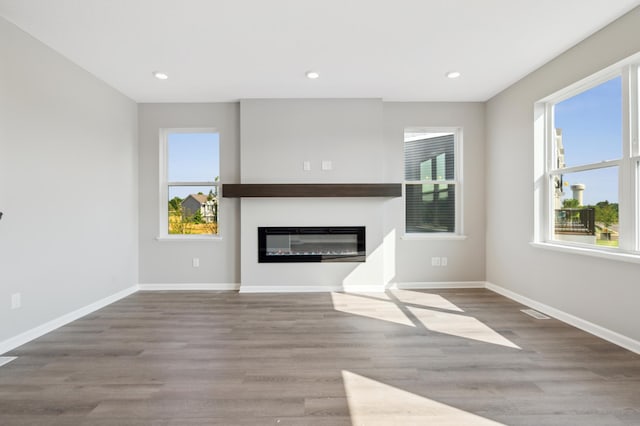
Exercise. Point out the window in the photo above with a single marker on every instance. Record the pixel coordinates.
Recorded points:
(589, 196)
(189, 182)
(431, 186)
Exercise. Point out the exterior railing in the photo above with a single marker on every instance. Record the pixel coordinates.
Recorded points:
(579, 221)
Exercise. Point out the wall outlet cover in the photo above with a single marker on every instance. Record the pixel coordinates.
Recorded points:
(16, 301)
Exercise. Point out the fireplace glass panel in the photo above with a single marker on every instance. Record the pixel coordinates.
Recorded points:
(311, 244)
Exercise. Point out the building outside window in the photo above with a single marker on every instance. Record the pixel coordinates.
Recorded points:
(431, 185)
(589, 164)
(588, 152)
(189, 182)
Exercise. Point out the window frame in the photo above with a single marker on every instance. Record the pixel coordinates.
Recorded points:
(458, 233)
(628, 165)
(164, 184)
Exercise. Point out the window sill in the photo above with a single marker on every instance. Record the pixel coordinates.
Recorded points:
(183, 238)
(431, 237)
(619, 256)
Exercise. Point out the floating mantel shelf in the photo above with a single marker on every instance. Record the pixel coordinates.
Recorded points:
(237, 190)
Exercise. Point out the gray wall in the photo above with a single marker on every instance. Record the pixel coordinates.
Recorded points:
(68, 139)
(170, 262)
(605, 292)
(466, 260)
(364, 140)
(68, 185)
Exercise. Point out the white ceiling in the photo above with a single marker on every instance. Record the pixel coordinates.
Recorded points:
(221, 50)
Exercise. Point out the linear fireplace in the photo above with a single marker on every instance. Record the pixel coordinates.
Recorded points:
(311, 244)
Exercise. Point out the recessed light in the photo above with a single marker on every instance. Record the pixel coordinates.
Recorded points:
(160, 75)
(453, 74)
(312, 75)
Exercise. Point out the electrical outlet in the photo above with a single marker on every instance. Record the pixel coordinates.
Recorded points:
(16, 301)
(435, 261)
(443, 261)
(196, 262)
(327, 165)
(306, 165)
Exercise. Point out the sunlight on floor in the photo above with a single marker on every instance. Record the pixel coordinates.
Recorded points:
(370, 308)
(424, 299)
(6, 359)
(399, 307)
(460, 326)
(373, 403)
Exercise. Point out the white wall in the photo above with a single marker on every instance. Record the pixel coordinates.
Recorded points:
(277, 136)
(604, 292)
(364, 141)
(170, 262)
(68, 185)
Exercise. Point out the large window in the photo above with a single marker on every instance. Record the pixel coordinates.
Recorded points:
(189, 182)
(589, 192)
(431, 186)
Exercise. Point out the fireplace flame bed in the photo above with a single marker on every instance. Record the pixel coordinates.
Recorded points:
(311, 244)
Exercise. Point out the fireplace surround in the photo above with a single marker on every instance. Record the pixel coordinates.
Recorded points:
(311, 244)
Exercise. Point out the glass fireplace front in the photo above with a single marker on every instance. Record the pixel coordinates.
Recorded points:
(311, 244)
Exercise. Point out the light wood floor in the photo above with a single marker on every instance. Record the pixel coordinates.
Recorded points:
(452, 357)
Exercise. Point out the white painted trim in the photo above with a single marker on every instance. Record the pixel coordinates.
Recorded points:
(589, 327)
(629, 244)
(438, 285)
(602, 253)
(49, 326)
(458, 133)
(363, 288)
(291, 288)
(190, 287)
(188, 238)
(164, 183)
(359, 288)
(433, 236)
(585, 167)
(587, 83)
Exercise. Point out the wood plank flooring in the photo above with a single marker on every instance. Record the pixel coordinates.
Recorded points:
(446, 357)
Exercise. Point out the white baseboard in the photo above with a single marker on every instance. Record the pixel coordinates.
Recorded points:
(311, 288)
(190, 286)
(49, 326)
(604, 333)
(438, 285)
(359, 288)
(589, 327)
(289, 288)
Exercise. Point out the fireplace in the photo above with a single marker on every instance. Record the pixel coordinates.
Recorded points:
(311, 244)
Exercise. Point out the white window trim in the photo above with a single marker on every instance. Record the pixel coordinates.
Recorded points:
(163, 195)
(457, 182)
(629, 173)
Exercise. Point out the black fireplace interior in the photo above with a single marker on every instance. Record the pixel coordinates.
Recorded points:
(311, 244)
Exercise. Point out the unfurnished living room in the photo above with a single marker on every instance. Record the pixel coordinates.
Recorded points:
(348, 212)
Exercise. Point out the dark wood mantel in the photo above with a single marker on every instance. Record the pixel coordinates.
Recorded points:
(237, 190)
